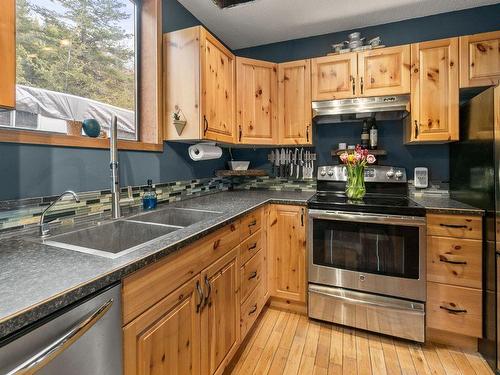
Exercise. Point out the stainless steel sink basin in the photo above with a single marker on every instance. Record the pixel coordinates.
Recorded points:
(110, 240)
(180, 217)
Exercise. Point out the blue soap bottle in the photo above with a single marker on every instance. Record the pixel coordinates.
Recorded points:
(149, 200)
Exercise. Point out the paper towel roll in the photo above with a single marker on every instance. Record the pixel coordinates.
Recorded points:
(203, 151)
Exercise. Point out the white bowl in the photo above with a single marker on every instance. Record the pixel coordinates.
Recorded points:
(238, 165)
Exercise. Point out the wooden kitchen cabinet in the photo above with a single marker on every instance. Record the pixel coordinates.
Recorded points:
(8, 55)
(384, 71)
(334, 77)
(287, 246)
(220, 317)
(294, 100)
(480, 59)
(434, 92)
(165, 338)
(256, 101)
(199, 75)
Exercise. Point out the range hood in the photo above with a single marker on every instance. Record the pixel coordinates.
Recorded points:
(394, 107)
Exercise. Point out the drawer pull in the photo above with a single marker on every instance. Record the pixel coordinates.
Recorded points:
(455, 226)
(252, 223)
(253, 275)
(254, 246)
(209, 292)
(253, 310)
(453, 310)
(443, 259)
(200, 295)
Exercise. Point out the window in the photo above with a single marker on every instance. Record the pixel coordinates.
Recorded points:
(76, 59)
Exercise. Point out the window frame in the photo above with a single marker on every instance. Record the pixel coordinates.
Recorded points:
(148, 92)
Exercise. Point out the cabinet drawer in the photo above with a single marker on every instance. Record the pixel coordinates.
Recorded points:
(454, 309)
(251, 223)
(169, 273)
(250, 246)
(251, 275)
(459, 226)
(250, 310)
(455, 261)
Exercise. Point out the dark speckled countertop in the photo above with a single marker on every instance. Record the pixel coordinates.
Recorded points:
(37, 280)
(442, 203)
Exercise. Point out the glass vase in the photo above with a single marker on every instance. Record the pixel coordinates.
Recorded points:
(355, 185)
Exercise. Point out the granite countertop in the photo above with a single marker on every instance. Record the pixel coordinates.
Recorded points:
(37, 279)
(442, 203)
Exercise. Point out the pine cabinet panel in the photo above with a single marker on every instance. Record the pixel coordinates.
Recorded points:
(8, 54)
(256, 101)
(333, 77)
(287, 244)
(434, 94)
(220, 314)
(165, 339)
(294, 100)
(384, 71)
(480, 59)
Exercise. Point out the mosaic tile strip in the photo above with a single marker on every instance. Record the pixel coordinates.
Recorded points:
(22, 214)
(273, 183)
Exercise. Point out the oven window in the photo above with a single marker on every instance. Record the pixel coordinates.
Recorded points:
(370, 248)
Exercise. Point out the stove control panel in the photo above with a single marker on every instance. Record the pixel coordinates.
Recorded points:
(373, 173)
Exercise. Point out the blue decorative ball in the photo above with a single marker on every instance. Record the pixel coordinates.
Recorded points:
(91, 127)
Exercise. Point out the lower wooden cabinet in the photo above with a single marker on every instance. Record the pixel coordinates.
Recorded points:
(287, 244)
(165, 339)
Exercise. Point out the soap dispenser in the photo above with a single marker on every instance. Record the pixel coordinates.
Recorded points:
(149, 200)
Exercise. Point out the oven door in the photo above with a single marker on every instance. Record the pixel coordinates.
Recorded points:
(383, 254)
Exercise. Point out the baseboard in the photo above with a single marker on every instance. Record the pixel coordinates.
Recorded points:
(452, 339)
(285, 304)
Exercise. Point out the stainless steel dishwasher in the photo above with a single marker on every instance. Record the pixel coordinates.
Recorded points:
(85, 339)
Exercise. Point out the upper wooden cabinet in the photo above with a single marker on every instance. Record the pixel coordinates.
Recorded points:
(294, 100)
(334, 77)
(434, 91)
(200, 85)
(480, 59)
(8, 55)
(384, 71)
(256, 101)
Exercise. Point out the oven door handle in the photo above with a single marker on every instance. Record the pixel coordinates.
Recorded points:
(367, 218)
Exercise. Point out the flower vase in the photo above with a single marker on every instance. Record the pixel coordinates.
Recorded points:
(355, 185)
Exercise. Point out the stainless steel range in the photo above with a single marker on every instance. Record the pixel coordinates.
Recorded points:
(367, 258)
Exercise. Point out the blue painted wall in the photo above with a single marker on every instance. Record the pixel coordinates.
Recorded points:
(327, 136)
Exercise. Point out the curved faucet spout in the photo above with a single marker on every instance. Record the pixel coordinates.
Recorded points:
(44, 227)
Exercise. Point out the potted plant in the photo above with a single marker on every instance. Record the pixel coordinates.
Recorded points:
(355, 163)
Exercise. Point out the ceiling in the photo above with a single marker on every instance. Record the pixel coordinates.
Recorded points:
(268, 21)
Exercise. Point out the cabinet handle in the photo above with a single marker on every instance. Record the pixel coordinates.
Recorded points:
(209, 287)
(254, 246)
(205, 122)
(452, 310)
(200, 295)
(353, 85)
(253, 275)
(302, 218)
(252, 223)
(307, 133)
(443, 259)
(455, 226)
(254, 309)
(240, 133)
(416, 129)
(361, 85)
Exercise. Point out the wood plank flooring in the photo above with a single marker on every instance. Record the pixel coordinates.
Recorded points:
(288, 343)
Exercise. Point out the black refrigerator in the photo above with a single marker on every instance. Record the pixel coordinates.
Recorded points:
(475, 179)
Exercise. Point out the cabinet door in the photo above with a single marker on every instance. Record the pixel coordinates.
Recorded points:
(218, 96)
(8, 54)
(384, 71)
(294, 100)
(434, 94)
(334, 77)
(256, 101)
(287, 244)
(480, 59)
(166, 338)
(221, 313)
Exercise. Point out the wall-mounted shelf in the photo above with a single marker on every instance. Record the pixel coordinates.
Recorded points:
(248, 172)
(377, 152)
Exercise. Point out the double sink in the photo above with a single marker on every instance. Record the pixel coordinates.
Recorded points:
(115, 238)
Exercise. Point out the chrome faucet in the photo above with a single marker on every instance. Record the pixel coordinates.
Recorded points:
(44, 227)
(113, 164)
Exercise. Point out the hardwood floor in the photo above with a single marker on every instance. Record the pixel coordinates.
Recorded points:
(288, 343)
